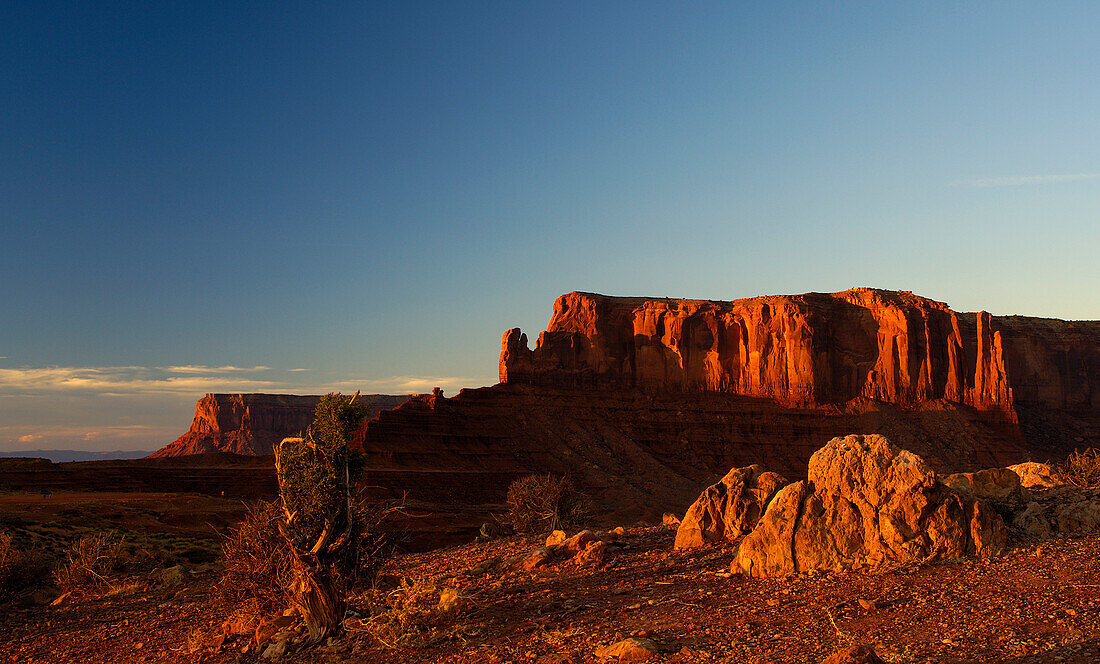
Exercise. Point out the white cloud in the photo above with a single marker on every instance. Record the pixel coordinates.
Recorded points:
(201, 369)
(410, 384)
(29, 438)
(127, 381)
(1023, 180)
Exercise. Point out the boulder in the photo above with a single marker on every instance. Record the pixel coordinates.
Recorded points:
(670, 520)
(996, 485)
(1037, 475)
(556, 537)
(729, 509)
(865, 503)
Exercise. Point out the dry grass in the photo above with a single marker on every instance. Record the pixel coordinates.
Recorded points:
(543, 503)
(89, 562)
(1082, 468)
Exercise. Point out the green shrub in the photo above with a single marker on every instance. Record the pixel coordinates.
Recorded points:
(542, 502)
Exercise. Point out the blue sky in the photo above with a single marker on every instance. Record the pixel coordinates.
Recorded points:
(273, 197)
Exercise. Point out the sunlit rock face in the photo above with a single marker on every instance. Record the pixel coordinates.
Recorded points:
(865, 503)
(814, 349)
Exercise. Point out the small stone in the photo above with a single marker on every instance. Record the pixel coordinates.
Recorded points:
(629, 650)
(866, 604)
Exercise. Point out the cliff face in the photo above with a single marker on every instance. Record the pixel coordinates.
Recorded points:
(253, 423)
(813, 349)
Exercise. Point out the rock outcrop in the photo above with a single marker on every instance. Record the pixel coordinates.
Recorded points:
(815, 349)
(729, 509)
(865, 503)
(254, 423)
(1000, 486)
(1040, 475)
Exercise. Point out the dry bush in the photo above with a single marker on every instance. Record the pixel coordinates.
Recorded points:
(541, 503)
(89, 562)
(18, 569)
(257, 562)
(411, 616)
(373, 545)
(1082, 468)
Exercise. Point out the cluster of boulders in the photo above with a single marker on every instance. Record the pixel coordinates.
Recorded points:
(588, 547)
(865, 503)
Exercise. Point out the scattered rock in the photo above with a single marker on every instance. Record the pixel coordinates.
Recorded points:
(594, 554)
(854, 655)
(484, 566)
(492, 530)
(267, 630)
(578, 542)
(629, 650)
(730, 508)
(866, 502)
(449, 601)
(275, 651)
(63, 599)
(536, 558)
(1037, 475)
(241, 623)
(169, 577)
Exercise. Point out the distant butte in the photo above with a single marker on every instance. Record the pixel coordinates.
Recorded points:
(252, 424)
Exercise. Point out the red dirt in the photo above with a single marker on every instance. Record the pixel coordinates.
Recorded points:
(1037, 603)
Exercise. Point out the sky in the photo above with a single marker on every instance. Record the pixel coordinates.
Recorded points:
(243, 197)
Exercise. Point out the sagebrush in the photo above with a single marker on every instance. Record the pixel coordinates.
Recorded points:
(256, 561)
(1082, 468)
(19, 569)
(544, 502)
(90, 561)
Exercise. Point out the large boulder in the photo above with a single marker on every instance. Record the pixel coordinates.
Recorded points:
(1034, 474)
(729, 509)
(864, 503)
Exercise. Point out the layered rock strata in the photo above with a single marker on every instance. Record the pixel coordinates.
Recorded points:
(865, 503)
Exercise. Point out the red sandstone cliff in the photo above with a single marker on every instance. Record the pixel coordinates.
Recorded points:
(813, 349)
(254, 423)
